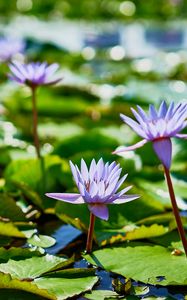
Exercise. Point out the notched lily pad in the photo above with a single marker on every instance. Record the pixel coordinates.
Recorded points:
(143, 263)
(42, 275)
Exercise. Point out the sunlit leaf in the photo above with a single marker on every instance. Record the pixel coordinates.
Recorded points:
(149, 264)
(128, 234)
(7, 282)
(11, 230)
(42, 241)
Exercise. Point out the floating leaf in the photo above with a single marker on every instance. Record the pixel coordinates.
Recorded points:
(102, 295)
(42, 241)
(9, 229)
(128, 234)
(16, 254)
(9, 209)
(70, 283)
(149, 264)
(25, 275)
(6, 282)
(31, 267)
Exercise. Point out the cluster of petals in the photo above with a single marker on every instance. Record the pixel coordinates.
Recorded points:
(9, 47)
(98, 186)
(158, 127)
(34, 74)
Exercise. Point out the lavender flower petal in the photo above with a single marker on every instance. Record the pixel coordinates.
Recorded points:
(130, 148)
(181, 136)
(34, 74)
(134, 125)
(71, 198)
(158, 127)
(99, 210)
(163, 149)
(126, 198)
(97, 185)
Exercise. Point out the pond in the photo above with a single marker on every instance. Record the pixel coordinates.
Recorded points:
(70, 74)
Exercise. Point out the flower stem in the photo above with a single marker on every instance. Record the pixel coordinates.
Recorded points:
(35, 122)
(175, 210)
(90, 234)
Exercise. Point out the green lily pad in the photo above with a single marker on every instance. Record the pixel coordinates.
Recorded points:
(42, 241)
(65, 286)
(11, 230)
(148, 264)
(6, 282)
(31, 267)
(17, 254)
(102, 295)
(9, 209)
(40, 275)
(129, 233)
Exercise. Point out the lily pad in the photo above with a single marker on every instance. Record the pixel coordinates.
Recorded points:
(129, 233)
(6, 282)
(31, 268)
(40, 275)
(64, 286)
(102, 295)
(17, 254)
(9, 229)
(43, 241)
(9, 209)
(148, 264)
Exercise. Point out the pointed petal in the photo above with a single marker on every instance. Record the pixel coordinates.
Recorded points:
(51, 69)
(121, 181)
(130, 148)
(93, 190)
(142, 113)
(92, 169)
(134, 125)
(123, 191)
(170, 111)
(163, 149)
(181, 136)
(152, 112)
(138, 117)
(126, 198)
(100, 169)
(74, 172)
(84, 170)
(71, 198)
(162, 110)
(99, 210)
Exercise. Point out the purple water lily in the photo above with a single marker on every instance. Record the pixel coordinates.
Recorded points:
(34, 74)
(158, 127)
(9, 47)
(97, 186)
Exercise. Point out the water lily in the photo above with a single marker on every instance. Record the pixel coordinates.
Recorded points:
(34, 74)
(159, 127)
(9, 47)
(98, 187)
